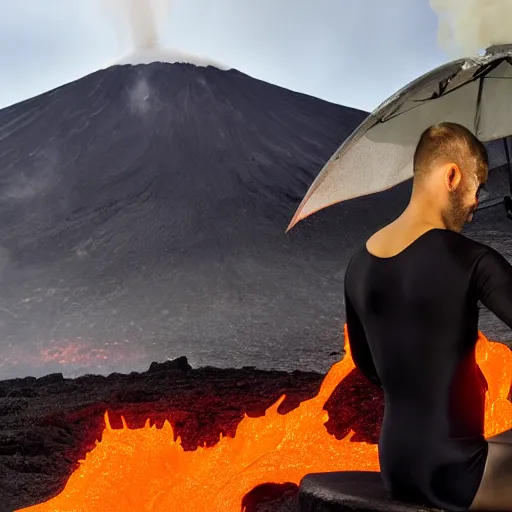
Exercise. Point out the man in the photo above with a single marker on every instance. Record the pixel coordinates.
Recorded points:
(412, 294)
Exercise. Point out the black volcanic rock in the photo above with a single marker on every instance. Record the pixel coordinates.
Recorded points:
(51, 378)
(178, 364)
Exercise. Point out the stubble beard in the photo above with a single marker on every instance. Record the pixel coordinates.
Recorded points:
(458, 214)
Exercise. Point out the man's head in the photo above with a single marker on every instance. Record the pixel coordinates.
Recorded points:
(450, 167)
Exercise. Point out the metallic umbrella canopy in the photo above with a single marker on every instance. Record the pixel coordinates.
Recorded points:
(475, 92)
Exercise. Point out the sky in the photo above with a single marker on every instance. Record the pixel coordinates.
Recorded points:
(349, 52)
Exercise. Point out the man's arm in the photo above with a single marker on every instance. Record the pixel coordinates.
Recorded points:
(493, 278)
(359, 347)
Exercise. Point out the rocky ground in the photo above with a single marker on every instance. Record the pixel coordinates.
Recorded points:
(48, 424)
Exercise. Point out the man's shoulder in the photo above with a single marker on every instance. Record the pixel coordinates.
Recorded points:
(468, 246)
(354, 258)
(357, 253)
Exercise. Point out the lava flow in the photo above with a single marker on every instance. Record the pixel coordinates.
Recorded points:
(146, 470)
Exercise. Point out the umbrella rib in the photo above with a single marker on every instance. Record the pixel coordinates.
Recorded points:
(478, 112)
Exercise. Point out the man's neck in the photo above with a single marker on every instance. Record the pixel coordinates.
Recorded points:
(421, 213)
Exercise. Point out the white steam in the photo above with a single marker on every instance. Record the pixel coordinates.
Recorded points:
(469, 26)
(142, 17)
(145, 21)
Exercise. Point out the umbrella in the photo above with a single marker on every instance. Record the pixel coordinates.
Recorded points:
(475, 92)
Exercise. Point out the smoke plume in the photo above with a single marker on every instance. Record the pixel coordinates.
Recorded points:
(142, 17)
(142, 21)
(469, 26)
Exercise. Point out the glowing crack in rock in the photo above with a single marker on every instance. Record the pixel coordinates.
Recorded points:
(145, 470)
(71, 357)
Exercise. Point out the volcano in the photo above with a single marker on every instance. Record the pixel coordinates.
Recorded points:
(142, 216)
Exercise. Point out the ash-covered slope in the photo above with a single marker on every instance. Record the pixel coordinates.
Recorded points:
(142, 217)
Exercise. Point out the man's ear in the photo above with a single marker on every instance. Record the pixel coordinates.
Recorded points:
(453, 177)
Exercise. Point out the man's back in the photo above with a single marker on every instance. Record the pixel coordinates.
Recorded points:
(413, 323)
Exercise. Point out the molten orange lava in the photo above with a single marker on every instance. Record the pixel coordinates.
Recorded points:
(145, 470)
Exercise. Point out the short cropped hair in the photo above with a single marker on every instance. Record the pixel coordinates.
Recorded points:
(450, 142)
